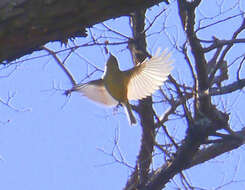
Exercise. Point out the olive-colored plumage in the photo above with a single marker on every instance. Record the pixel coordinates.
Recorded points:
(116, 83)
(118, 87)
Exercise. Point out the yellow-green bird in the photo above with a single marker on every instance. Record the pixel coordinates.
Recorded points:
(118, 87)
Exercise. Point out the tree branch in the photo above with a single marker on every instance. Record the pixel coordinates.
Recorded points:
(238, 85)
(27, 25)
(61, 65)
(218, 149)
(141, 174)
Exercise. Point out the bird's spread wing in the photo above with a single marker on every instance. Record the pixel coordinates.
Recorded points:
(147, 77)
(96, 91)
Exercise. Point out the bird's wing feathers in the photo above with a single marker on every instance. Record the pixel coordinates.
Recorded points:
(148, 76)
(96, 91)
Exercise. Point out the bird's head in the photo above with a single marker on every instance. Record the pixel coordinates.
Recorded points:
(112, 63)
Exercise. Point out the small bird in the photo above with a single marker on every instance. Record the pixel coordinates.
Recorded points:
(118, 87)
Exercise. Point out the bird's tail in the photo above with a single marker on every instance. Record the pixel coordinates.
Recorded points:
(130, 114)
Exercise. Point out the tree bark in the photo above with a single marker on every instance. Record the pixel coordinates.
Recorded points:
(26, 25)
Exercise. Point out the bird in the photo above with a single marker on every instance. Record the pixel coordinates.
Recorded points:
(118, 87)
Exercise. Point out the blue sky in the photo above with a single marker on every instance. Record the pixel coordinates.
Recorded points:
(50, 141)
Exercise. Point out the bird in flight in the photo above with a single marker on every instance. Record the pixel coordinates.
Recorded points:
(119, 87)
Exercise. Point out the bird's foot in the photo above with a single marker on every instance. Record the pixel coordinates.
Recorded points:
(115, 109)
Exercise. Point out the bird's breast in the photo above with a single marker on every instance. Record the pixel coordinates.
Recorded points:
(116, 86)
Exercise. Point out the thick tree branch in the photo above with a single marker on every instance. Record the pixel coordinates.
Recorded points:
(141, 174)
(238, 85)
(200, 157)
(182, 158)
(26, 25)
(218, 149)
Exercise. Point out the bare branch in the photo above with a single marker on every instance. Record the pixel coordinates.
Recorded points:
(225, 51)
(220, 21)
(221, 43)
(217, 149)
(238, 85)
(8, 104)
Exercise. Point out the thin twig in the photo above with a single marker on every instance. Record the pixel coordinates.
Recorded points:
(61, 65)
